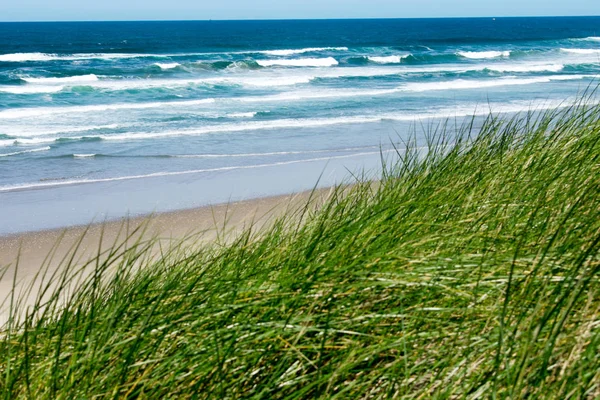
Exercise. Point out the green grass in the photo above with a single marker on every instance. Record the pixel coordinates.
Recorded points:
(470, 271)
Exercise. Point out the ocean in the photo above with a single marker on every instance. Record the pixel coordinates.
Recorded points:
(99, 120)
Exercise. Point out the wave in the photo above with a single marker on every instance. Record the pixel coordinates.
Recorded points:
(312, 122)
(36, 57)
(581, 51)
(268, 154)
(478, 55)
(34, 131)
(313, 95)
(294, 96)
(226, 155)
(223, 128)
(31, 89)
(242, 115)
(388, 59)
(166, 66)
(464, 111)
(266, 80)
(27, 57)
(525, 68)
(301, 62)
(63, 80)
(43, 185)
(300, 51)
(32, 112)
(412, 87)
(479, 84)
(16, 153)
(588, 39)
(23, 57)
(241, 65)
(29, 142)
(144, 84)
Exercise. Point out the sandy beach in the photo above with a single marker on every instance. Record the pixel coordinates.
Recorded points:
(29, 251)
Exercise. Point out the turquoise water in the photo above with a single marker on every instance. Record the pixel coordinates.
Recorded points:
(98, 120)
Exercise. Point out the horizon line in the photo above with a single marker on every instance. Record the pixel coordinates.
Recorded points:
(300, 19)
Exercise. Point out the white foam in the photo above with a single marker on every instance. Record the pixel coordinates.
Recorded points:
(21, 57)
(526, 67)
(301, 51)
(270, 79)
(27, 142)
(464, 111)
(117, 85)
(24, 57)
(241, 127)
(589, 39)
(84, 155)
(301, 95)
(581, 51)
(273, 153)
(301, 62)
(63, 80)
(479, 55)
(32, 112)
(242, 115)
(16, 153)
(166, 66)
(479, 84)
(316, 94)
(31, 89)
(388, 59)
(33, 131)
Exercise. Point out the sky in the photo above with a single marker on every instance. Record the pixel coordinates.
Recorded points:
(90, 10)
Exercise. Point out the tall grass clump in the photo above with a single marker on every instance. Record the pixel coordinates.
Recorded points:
(470, 270)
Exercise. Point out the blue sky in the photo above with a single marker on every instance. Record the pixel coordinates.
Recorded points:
(52, 10)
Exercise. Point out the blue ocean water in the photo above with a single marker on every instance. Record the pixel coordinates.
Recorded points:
(105, 118)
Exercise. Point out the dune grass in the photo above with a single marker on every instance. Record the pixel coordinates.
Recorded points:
(471, 270)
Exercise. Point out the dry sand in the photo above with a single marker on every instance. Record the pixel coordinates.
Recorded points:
(32, 249)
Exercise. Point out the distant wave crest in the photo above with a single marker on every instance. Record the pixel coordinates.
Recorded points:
(62, 80)
(300, 62)
(166, 66)
(301, 51)
(388, 59)
(480, 55)
(581, 51)
(16, 153)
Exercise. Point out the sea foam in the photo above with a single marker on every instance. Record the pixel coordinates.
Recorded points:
(478, 84)
(39, 111)
(301, 51)
(301, 62)
(525, 67)
(387, 59)
(581, 51)
(31, 89)
(479, 55)
(16, 153)
(303, 123)
(62, 80)
(27, 57)
(166, 66)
